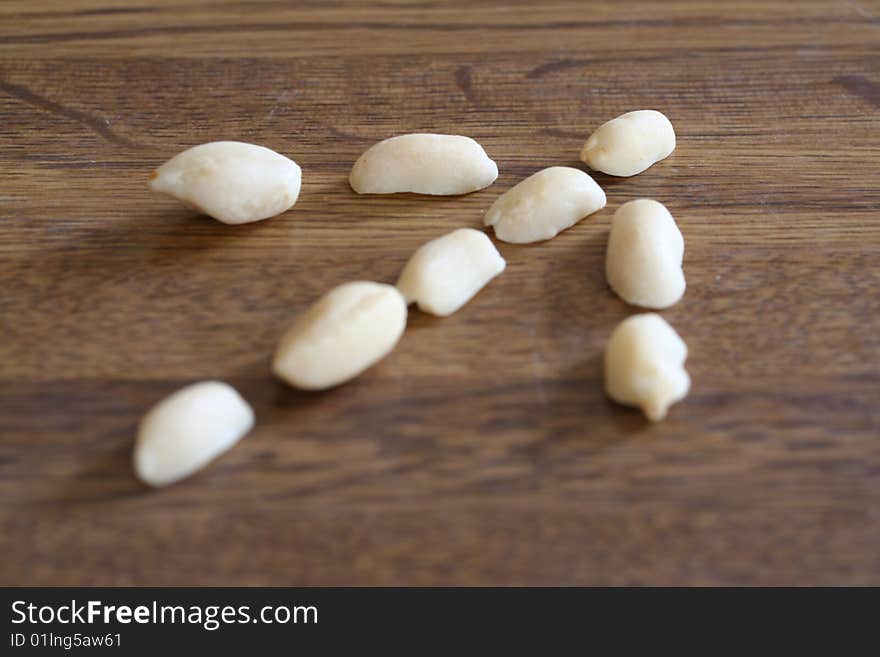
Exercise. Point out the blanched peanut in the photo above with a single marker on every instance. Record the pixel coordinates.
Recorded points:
(447, 272)
(188, 429)
(544, 204)
(232, 182)
(630, 143)
(423, 163)
(644, 365)
(645, 249)
(349, 329)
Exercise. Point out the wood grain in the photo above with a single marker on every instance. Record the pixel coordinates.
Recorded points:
(483, 450)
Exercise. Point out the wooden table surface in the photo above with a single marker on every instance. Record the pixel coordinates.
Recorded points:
(483, 450)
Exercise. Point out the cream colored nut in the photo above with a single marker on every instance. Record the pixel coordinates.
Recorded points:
(544, 204)
(423, 163)
(645, 249)
(445, 273)
(232, 182)
(188, 429)
(630, 143)
(349, 329)
(644, 365)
